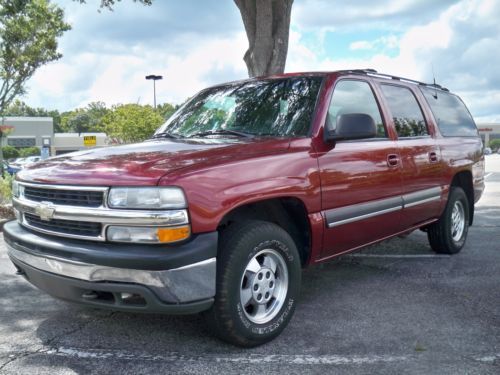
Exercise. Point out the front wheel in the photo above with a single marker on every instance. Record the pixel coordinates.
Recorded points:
(258, 282)
(449, 233)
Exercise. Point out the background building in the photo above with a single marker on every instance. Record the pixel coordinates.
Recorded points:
(69, 142)
(29, 131)
(489, 131)
(39, 132)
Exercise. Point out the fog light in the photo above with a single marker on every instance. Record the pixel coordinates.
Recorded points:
(148, 234)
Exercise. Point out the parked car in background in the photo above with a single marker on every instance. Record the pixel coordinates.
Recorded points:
(245, 185)
(487, 151)
(10, 169)
(22, 162)
(31, 159)
(18, 162)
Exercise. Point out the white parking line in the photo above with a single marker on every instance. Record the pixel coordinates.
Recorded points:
(488, 175)
(400, 256)
(299, 359)
(489, 358)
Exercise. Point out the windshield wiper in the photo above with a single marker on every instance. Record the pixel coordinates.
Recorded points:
(222, 131)
(165, 135)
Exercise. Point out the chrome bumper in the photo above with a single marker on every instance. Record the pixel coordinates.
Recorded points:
(185, 284)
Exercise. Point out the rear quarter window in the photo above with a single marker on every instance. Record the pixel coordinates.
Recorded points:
(452, 116)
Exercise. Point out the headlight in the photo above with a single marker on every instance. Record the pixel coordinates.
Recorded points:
(148, 234)
(155, 198)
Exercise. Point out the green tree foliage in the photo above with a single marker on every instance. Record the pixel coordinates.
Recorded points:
(29, 151)
(19, 108)
(165, 110)
(131, 122)
(85, 120)
(110, 3)
(28, 40)
(10, 152)
(495, 144)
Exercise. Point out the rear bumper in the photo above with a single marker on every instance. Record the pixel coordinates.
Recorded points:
(175, 279)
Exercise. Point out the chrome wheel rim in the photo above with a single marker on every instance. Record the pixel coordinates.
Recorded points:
(457, 221)
(264, 286)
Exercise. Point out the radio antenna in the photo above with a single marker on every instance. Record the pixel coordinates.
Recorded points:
(434, 82)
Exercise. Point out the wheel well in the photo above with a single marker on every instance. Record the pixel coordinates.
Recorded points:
(289, 213)
(464, 180)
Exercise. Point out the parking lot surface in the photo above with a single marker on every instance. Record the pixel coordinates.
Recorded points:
(393, 308)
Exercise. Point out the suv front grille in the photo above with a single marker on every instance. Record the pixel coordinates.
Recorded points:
(64, 197)
(78, 228)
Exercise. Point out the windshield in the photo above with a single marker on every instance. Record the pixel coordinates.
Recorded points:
(278, 107)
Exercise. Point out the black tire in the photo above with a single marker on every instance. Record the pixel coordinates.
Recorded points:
(441, 233)
(240, 244)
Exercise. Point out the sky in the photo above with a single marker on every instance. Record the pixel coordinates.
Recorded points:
(197, 43)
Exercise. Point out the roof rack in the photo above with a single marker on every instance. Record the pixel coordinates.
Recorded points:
(373, 72)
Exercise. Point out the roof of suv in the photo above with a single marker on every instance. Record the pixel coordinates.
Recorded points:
(366, 72)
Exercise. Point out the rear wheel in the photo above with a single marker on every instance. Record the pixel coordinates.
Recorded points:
(258, 282)
(449, 233)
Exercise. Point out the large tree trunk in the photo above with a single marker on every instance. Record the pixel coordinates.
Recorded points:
(267, 24)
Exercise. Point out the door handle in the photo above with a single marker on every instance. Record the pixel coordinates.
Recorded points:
(433, 157)
(392, 160)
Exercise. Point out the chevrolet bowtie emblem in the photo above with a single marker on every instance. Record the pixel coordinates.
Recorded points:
(45, 210)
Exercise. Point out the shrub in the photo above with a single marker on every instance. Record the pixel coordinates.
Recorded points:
(29, 151)
(10, 152)
(6, 188)
(495, 144)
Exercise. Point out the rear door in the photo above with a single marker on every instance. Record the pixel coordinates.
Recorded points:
(360, 179)
(421, 161)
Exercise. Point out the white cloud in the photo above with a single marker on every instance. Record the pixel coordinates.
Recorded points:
(365, 14)
(460, 45)
(361, 44)
(106, 56)
(381, 44)
(120, 78)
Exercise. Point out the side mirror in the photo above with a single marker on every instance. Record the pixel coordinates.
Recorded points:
(353, 126)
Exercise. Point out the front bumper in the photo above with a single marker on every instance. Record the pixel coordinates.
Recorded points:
(151, 278)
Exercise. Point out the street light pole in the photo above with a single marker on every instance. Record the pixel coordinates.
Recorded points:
(154, 78)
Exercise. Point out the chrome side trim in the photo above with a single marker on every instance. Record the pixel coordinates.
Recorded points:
(421, 196)
(361, 217)
(185, 284)
(416, 203)
(361, 211)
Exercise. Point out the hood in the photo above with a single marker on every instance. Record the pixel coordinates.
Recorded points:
(144, 163)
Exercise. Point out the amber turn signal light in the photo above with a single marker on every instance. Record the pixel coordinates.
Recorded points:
(173, 234)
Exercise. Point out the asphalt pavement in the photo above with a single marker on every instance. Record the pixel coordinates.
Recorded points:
(393, 308)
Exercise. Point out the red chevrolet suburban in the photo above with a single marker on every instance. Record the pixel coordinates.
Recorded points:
(246, 184)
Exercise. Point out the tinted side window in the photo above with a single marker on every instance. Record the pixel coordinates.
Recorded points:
(406, 113)
(354, 97)
(452, 117)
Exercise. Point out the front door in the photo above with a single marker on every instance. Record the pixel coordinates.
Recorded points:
(360, 179)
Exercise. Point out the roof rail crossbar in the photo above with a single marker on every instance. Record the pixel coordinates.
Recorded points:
(359, 71)
(373, 72)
